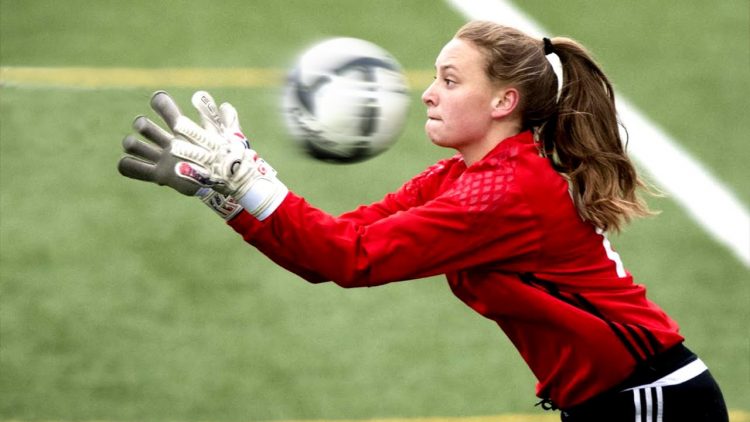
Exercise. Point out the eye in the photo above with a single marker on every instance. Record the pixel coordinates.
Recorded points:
(447, 81)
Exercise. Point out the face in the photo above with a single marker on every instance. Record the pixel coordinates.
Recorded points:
(460, 99)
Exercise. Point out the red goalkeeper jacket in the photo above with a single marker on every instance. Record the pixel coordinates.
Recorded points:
(507, 235)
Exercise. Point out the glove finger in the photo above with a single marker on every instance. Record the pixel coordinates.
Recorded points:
(208, 111)
(152, 131)
(135, 168)
(140, 149)
(194, 133)
(228, 117)
(231, 124)
(191, 152)
(166, 107)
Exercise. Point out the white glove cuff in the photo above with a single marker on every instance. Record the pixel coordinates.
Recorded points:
(264, 196)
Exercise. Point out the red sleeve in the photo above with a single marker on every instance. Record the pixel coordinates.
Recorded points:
(420, 189)
(480, 220)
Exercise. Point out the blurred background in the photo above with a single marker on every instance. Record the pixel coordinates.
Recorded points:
(123, 301)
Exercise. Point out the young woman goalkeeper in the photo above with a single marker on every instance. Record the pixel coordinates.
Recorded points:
(516, 221)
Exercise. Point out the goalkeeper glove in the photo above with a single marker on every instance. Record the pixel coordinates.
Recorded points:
(216, 159)
(154, 162)
(209, 159)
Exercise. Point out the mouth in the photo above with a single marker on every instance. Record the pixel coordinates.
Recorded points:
(431, 114)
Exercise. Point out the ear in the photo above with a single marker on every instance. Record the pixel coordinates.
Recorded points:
(504, 103)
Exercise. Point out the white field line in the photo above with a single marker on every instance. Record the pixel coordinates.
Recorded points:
(708, 201)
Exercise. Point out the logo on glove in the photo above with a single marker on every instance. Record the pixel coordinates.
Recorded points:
(187, 171)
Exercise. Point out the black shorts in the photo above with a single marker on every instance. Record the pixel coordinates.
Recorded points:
(689, 394)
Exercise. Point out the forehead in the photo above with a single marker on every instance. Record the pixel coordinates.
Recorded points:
(461, 55)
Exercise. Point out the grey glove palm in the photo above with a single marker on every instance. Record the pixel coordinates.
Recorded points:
(153, 162)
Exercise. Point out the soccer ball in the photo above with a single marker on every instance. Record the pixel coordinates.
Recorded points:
(346, 100)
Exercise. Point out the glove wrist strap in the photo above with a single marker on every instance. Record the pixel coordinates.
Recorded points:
(264, 197)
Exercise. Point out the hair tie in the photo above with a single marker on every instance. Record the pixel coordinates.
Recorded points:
(548, 47)
(554, 61)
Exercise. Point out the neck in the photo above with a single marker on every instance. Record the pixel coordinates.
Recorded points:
(475, 151)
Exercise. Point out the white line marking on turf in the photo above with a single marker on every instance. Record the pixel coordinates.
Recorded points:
(708, 201)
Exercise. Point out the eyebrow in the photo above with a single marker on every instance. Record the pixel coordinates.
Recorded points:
(446, 67)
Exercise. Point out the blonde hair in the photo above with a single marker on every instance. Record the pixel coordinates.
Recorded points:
(579, 132)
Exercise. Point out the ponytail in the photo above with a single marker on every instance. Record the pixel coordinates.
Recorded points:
(583, 142)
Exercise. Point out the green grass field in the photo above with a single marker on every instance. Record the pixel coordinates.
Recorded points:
(121, 301)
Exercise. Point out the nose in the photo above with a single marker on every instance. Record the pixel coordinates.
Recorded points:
(428, 96)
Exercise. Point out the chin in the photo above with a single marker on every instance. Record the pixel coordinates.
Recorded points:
(441, 142)
(439, 137)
